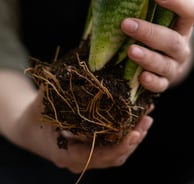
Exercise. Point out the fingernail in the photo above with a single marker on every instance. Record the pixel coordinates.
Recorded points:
(137, 52)
(130, 25)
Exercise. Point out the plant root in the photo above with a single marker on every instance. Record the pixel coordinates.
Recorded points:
(82, 102)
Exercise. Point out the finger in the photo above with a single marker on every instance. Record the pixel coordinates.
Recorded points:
(184, 9)
(157, 37)
(154, 62)
(181, 7)
(150, 109)
(110, 155)
(154, 83)
(113, 155)
(143, 126)
(184, 27)
(117, 154)
(136, 137)
(139, 132)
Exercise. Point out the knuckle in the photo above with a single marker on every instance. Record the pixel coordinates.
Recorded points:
(148, 34)
(176, 43)
(157, 85)
(189, 11)
(120, 161)
(169, 72)
(58, 163)
(162, 85)
(166, 70)
(188, 52)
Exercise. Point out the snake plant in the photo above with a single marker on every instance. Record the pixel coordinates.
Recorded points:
(107, 40)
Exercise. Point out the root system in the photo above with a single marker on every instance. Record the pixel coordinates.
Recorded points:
(86, 103)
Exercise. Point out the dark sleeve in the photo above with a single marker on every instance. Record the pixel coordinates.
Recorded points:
(13, 55)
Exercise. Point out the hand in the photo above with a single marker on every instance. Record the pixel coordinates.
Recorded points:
(171, 67)
(40, 138)
(107, 156)
(20, 123)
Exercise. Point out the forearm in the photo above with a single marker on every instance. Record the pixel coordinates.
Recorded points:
(16, 93)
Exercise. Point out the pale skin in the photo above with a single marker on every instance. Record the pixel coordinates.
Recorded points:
(173, 70)
(20, 103)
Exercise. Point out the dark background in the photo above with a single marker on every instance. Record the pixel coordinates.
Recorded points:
(165, 156)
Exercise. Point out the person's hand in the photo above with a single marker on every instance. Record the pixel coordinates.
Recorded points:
(41, 139)
(107, 156)
(20, 123)
(171, 67)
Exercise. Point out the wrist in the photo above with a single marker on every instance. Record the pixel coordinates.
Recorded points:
(16, 93)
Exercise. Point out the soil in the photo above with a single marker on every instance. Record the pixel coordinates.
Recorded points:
(87, 103)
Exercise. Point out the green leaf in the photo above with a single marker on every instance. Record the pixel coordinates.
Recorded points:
(107, 37)
(108, 41)
(157, 15)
